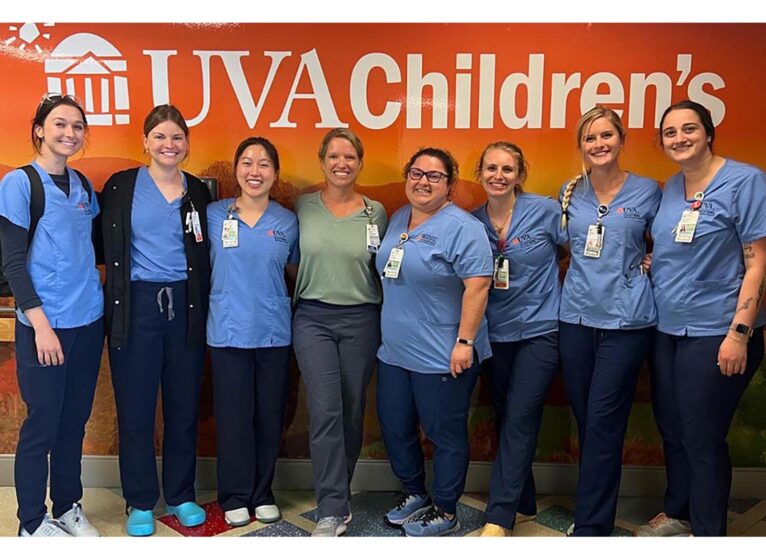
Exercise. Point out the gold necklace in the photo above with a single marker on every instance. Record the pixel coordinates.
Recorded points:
(499, 228)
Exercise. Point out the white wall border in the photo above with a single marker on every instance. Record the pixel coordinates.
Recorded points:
(376, 475)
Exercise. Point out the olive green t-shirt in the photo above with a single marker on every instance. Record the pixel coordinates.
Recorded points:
(335, 265)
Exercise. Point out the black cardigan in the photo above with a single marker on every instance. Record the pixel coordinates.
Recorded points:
(116, 207)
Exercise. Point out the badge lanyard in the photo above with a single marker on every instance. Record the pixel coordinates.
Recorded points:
(501, 273)
(595, 239)
(193, 223)
(230, 231)
(373, 236)
(684, 230)
(394, 263)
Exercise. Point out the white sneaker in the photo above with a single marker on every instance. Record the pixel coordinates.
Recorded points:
(570, 530)
(76, 524)
(664, 526)
(237, 517)
(267, 513)
(329, 527)
(49, 528)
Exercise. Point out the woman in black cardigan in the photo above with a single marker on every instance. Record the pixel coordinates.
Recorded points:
(156, 295)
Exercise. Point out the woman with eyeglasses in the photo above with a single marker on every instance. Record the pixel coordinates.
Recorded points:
(709, 275)
(436, 265)
(607, 310)
(336, 326)
(156, 299)
(46, 219)
(522, 314)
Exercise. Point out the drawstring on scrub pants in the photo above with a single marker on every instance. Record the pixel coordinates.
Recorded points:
(169, 292)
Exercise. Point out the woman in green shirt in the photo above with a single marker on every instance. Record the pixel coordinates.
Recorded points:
(336, 327)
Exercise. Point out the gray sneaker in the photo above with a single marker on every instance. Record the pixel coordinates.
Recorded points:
(664, 526)
(329, 527)
(48, 528)
(76, 524)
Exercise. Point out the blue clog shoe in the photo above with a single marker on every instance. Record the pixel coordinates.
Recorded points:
(140, 523)
(189, 514)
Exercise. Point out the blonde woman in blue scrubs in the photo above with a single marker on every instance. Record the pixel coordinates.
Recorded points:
(607, 310)
(253, 243)
(59, 320)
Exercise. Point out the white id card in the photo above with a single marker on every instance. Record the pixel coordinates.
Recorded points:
(373, 238)
(594, 242)
(686, 227)
(394, 263)
(230, 233)
(196, 227)
(500, 278)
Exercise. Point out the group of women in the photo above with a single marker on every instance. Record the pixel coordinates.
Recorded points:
(428, 296)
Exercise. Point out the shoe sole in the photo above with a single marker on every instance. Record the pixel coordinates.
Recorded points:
(238, 524)
(140, 531)
(410, 518)
(268, 520)
(455, 528)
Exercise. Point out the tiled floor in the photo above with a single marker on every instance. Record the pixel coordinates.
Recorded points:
(105, 508)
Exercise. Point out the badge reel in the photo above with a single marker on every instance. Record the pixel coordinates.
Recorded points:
(686, 228)
(595, 239)
(193, 224)
(373, 236)
(394, 263)
(230, 231)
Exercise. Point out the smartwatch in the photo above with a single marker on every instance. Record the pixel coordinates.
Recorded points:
(741, 328)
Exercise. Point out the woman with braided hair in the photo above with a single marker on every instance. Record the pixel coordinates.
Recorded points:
(607, 310)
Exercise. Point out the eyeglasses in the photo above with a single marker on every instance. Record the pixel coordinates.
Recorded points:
(431, 176)
(55, 97)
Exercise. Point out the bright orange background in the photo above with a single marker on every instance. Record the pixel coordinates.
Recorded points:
(737, 52)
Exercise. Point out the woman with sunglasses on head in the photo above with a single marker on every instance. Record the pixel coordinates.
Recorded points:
(336, 327)
(709, 275)
(156, 298)
(522, 314)
(436, 264)
(253, 243)
(607, 310)
(46, 220)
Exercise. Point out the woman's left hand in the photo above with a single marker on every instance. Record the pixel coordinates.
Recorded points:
(732, 356)
(461, 359)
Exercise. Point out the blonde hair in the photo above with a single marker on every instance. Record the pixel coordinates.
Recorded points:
(345, 134)
(583, 128)
(515, 152)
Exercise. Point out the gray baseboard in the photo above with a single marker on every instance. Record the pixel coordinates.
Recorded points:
(376, 475)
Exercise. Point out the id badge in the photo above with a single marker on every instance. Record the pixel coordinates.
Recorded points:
(594, 242)
(501, 275)
(230, 233)
(394, 263)
(686, 227)
(373, 238)
(196, 227)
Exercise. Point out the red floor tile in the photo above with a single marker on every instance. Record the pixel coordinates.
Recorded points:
(214, 524)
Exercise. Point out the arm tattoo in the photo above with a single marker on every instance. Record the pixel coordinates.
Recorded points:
(748, 251)
(745, 305)
(760, 292)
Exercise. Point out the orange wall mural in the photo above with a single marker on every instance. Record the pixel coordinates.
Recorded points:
(399, 86)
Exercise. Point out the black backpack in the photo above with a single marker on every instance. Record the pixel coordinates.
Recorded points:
(36, 210)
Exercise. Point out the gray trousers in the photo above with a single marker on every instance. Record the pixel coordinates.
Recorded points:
(335, 347)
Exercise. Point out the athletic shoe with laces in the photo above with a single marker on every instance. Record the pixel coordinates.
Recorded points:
(664, 526)
(48, 528)
(329, 527)
(76, 524)
(407, 508)
(433, 523)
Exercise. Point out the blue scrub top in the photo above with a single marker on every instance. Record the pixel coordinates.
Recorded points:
(421, 308)
(61, 260)
(156, 233)
(530, 305)
(249, 304)
(610, 292)
(696, 285)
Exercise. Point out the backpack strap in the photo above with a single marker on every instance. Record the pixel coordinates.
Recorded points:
(36, 200)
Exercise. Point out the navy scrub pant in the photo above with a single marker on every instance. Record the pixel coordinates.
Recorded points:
(250, 389)
(694, 405)
(520, 373)
(59, 401)
(157, 354)
(600, 370)
(440, 404)
(335, 347)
